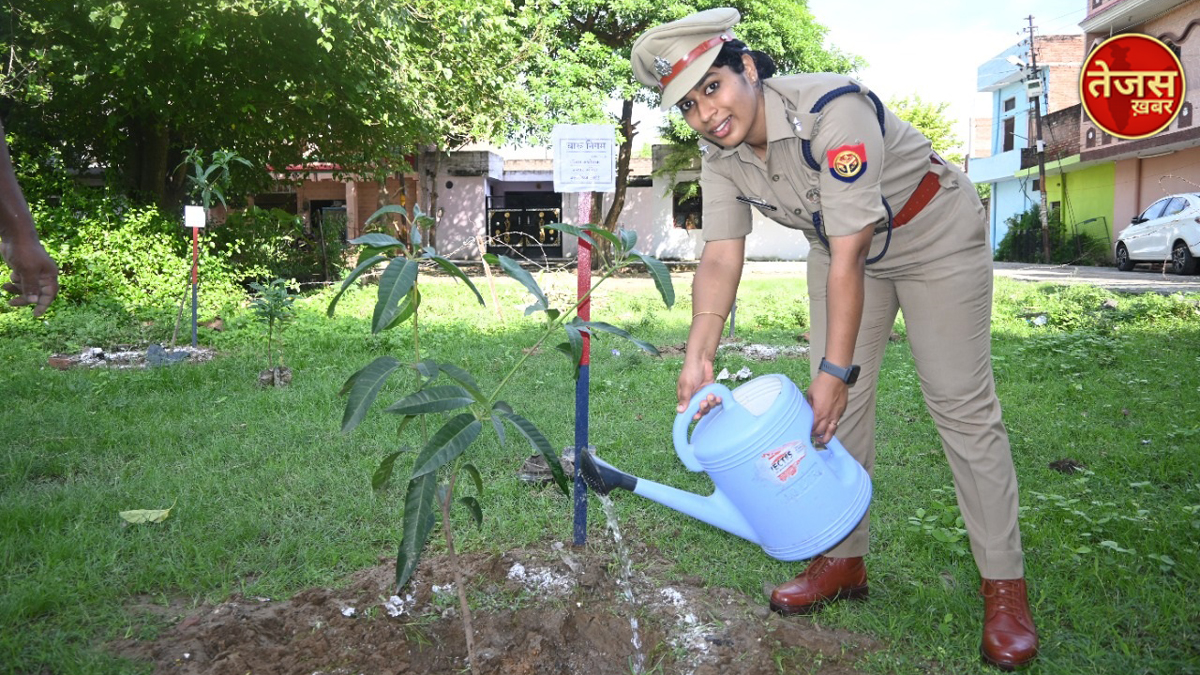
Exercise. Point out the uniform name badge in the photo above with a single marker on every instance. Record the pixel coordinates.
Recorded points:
(847, 162)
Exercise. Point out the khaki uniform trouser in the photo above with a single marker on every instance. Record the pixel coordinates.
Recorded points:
(947, 304)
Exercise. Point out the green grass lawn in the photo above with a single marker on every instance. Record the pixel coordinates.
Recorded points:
(269, 497)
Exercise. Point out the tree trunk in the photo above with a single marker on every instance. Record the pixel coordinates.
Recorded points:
(602, 251)
(624, 155)
(431, 235)
(146, 160)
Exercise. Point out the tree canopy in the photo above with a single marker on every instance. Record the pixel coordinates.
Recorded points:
(131, 84)
(929, 117)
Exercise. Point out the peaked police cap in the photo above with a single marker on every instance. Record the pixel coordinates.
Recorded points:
(674, 56)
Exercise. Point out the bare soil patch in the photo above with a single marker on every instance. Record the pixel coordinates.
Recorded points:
(535, 611)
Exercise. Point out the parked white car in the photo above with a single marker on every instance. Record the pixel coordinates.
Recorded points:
(1168, 232)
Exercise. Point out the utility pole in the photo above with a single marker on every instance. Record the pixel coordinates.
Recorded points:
(1041, 146)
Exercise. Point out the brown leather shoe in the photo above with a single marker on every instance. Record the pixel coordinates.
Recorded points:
(1009, 638)
(825, 580)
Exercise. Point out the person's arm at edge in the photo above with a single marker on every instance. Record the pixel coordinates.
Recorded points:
(714, 289)
(35, 276)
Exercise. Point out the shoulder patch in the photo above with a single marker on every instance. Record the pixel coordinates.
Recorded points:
(847, 162)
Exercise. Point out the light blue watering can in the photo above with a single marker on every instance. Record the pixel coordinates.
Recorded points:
(772, 486)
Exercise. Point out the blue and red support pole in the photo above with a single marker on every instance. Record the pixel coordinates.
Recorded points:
(584, 274)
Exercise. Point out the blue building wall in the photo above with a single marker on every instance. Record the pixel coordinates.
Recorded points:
(1010, 195)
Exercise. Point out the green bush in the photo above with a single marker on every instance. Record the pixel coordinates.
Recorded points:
(1023, 241)
(114, 252)
(278, 243)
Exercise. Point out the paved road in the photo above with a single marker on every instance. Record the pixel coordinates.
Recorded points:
(1141, 280)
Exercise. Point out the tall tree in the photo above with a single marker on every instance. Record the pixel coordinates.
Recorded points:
(585, 62)
(929, 117)
(131, 84)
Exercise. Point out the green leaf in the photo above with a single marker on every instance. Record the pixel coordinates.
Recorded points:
(575, 342)
(498, 425)
(613, 330)
(139, 516)
(503, 407)
(408, 307)
(358, 271)
(513, 269)
(363, 387)
(573, 230)
(384, 210)
(448, 443)
(475, 476)
(394, 285)
(377, 240)
(452, 269)
(419, 519)
(433, 399)
(661, 275)
(628, 239)
(472, 505)
(427, 368)
(540, 444)
(464, 378)
(384, 473)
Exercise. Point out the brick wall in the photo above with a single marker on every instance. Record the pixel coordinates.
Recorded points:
(1061, 56)
(1060, 131)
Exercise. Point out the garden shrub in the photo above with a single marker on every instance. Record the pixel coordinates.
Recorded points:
(117, 253)
(1023, 241)
(280, 244)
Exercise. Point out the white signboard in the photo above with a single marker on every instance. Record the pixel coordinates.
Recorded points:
(585, 158)
(193, 216)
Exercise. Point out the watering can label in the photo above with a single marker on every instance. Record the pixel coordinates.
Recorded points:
(783, 463)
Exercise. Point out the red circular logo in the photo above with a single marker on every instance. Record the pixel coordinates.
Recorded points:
(1132, 85)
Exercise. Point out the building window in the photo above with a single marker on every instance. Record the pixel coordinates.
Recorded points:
(687, 208)
(1185, 115)
(1010, 132)
(1037, 185)
(1091, 138)
(1010, 104)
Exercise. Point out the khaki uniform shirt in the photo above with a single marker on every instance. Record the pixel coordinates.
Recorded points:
(787, 190)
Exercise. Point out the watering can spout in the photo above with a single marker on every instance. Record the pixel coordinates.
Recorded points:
(715, 509)
(602, 477)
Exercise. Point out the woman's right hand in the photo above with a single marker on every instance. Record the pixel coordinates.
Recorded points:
(691, 379)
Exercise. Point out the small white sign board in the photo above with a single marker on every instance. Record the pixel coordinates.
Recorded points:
(585, 158)
(193, 216)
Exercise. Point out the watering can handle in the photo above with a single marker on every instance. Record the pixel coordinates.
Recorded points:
(683, 445)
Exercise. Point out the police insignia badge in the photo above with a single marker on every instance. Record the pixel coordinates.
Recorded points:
(662, 67)
(846, 163)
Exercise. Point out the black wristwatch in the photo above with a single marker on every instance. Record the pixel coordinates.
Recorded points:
(847, 375)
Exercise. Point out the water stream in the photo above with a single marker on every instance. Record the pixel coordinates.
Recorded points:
(624, 580)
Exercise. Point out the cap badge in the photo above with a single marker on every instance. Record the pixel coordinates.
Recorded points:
(662, 66)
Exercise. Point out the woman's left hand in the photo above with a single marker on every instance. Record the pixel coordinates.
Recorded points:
(827, 395)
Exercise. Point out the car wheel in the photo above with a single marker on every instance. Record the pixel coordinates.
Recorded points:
(1182, 261)
(1123, 262)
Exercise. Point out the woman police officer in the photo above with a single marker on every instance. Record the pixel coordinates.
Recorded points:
(892, 228)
